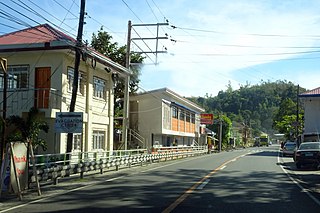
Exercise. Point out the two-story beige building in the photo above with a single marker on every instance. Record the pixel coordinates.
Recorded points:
(40, 74)
(164, 118)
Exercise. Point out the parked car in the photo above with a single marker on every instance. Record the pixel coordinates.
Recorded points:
(289, 148)
(308, 153)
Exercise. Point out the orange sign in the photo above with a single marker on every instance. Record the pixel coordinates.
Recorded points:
(206, 119)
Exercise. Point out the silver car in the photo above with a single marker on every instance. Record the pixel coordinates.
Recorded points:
(289, 148)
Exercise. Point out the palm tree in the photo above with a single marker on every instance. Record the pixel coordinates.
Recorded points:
(28, 130)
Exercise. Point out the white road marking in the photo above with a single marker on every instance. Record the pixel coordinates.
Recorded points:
(86, 186)
(298, 184)
(223, 167)
(203, 184)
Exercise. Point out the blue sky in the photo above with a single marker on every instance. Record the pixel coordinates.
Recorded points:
(212, 43)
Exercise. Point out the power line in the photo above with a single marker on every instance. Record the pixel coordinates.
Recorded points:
(132, 11)
(253, 54)
(20, 13)
(152, 11)
(248, 34)
(31, 10)
(68, 12)
(159, 10)
(47, 13)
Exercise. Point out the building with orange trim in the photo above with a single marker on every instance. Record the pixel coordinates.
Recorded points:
(165, 118)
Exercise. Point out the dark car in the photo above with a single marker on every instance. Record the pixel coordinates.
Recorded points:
(289, 148)
(308, 153)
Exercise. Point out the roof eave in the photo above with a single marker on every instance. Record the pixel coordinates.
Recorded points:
(108, 62)
(55, 45)
(35, 46)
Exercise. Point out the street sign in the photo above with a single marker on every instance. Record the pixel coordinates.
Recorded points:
(69, 122)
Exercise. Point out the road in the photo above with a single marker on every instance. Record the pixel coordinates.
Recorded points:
(247, 180)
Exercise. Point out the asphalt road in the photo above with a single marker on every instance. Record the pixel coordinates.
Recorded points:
(247, 180)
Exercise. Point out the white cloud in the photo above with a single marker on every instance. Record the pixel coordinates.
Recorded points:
(205, 64)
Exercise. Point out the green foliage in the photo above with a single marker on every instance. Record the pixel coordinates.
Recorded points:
(28, 129)
(103, 44)
(287, 127)
(260, 107)
(226, 128)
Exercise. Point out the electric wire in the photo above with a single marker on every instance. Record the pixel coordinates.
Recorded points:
(249, 34)
(140, 21)
(152, 10)
(28, 8)
(68, 12)
(47, 13)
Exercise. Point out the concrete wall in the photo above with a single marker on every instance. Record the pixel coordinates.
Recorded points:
(312, 114)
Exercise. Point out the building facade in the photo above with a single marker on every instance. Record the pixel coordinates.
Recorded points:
(311, 101)
(40, 74)
(164, 118)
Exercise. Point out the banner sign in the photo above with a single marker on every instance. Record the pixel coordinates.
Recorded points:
(69, 122)
(206, 118)
(19, 171)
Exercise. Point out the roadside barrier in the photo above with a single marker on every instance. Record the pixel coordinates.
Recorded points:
(55, 166)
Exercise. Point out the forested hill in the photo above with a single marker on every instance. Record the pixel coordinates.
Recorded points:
(254, 105)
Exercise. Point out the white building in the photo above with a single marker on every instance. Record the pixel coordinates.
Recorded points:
(164, 118)
(311, 101)
(40, 74)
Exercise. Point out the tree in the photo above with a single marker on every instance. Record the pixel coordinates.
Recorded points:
(226, 128)
(28, 130)
(287, 126)
(103, 44)
(263, 103)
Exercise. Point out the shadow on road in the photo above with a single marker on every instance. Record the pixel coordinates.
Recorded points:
(256, 191)
(265, 153)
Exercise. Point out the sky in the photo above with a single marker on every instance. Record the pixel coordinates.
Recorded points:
(209, 44)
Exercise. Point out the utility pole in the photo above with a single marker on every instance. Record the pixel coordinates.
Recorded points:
(125, 124)
(220, 133)
(76, 70)
(3, 62)
(297, 114)
(157, 38)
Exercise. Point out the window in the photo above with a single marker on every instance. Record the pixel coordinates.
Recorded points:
(188, 117)
(77, 140)
(17, 77)
(98, 139)
(182, 114)
(193, 118)
(99, 88)
(81, 81)
(174, 112)
(166, 117)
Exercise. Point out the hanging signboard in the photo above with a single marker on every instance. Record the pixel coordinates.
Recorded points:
(69, 122)
(206, 118)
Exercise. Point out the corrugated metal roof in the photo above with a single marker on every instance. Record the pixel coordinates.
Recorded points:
(311, 93)
(38, 34)
(43, 34)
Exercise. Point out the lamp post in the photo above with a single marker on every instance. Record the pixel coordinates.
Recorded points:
(3, 62)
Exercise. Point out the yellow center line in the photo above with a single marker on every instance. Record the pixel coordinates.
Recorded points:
(195, 186)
